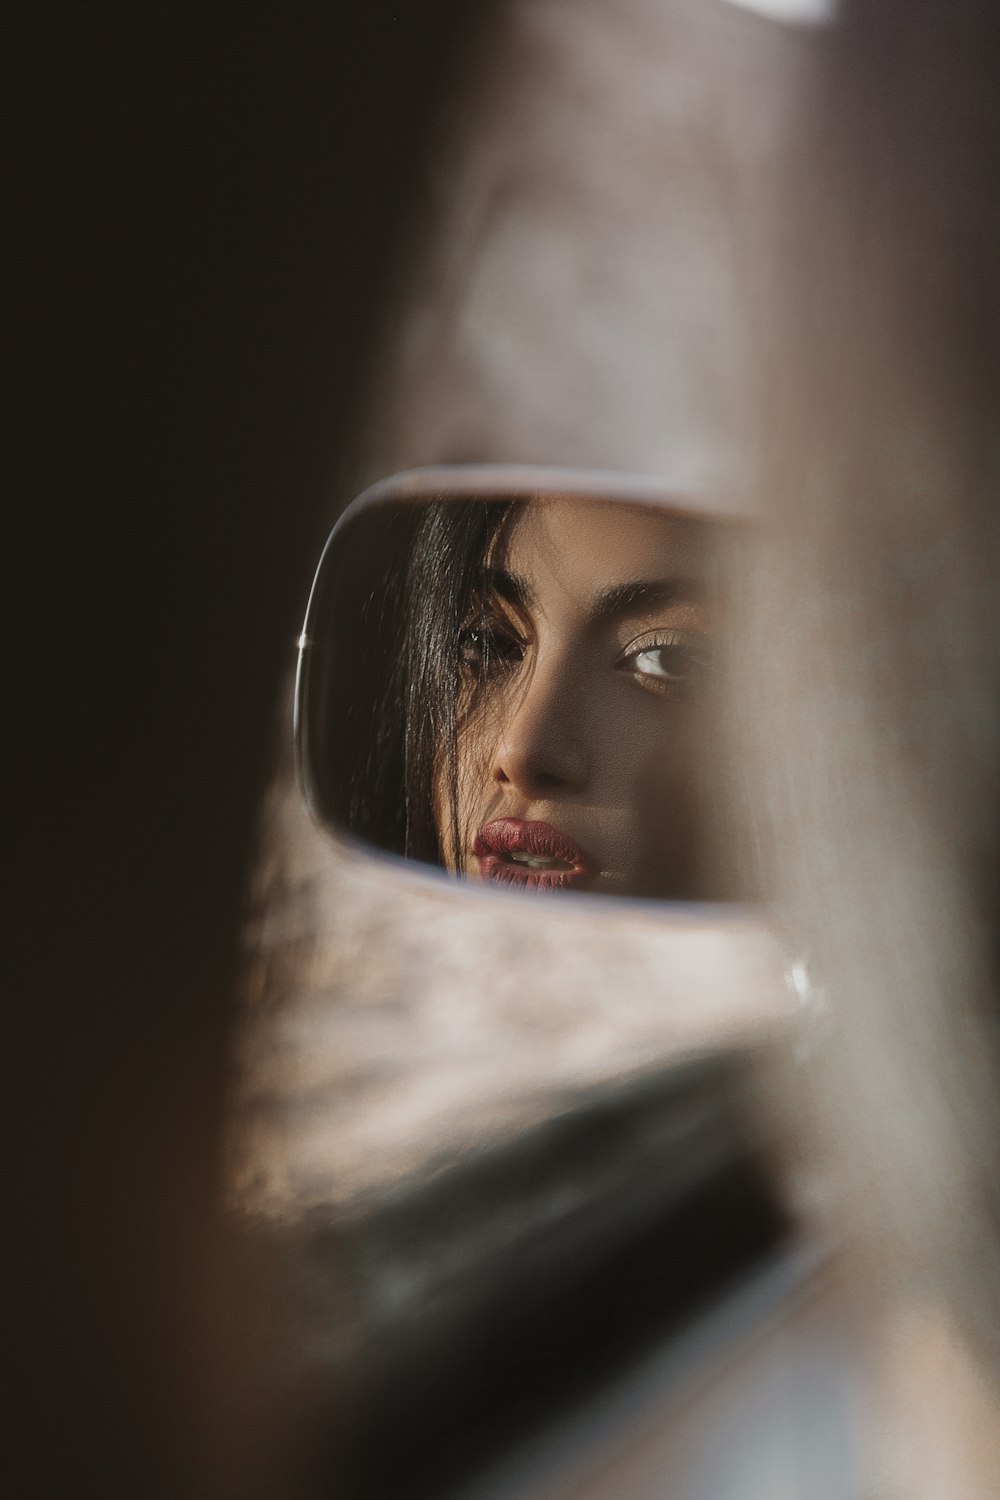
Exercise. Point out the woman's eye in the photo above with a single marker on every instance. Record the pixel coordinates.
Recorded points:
(671, 660)
(481, 647)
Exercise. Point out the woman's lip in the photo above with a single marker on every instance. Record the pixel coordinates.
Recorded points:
(499, 842)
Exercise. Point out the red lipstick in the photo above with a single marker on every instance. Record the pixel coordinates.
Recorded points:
(530, 856)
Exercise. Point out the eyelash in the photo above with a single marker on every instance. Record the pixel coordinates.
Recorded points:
(488, 648)
(679, 675)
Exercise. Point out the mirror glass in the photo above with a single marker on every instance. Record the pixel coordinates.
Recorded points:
(513, 685)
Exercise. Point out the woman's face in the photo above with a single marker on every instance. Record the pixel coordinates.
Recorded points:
(580, 714)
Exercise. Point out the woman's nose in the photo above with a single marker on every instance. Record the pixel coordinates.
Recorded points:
(541, 749)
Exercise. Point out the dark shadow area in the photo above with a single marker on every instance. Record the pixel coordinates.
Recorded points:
(203, 210)
(542, 1270)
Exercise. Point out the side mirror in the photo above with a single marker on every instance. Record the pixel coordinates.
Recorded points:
(506, 674)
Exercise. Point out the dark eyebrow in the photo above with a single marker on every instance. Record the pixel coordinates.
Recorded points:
(510, 586)
(644, 593)
(622, 599)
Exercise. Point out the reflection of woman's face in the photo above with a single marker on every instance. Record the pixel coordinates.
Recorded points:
(579, 717)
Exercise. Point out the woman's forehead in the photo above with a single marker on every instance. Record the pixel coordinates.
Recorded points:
(588, 544)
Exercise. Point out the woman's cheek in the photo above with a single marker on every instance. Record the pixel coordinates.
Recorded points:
(476, 793)
(659, 794)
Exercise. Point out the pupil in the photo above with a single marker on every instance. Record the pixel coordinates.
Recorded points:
(675, 661)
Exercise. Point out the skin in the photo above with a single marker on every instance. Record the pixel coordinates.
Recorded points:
(585, 711)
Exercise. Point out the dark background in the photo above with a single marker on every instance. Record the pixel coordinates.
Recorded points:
(204, 210)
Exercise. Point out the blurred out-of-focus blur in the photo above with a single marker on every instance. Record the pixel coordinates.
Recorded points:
(337, 1178)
